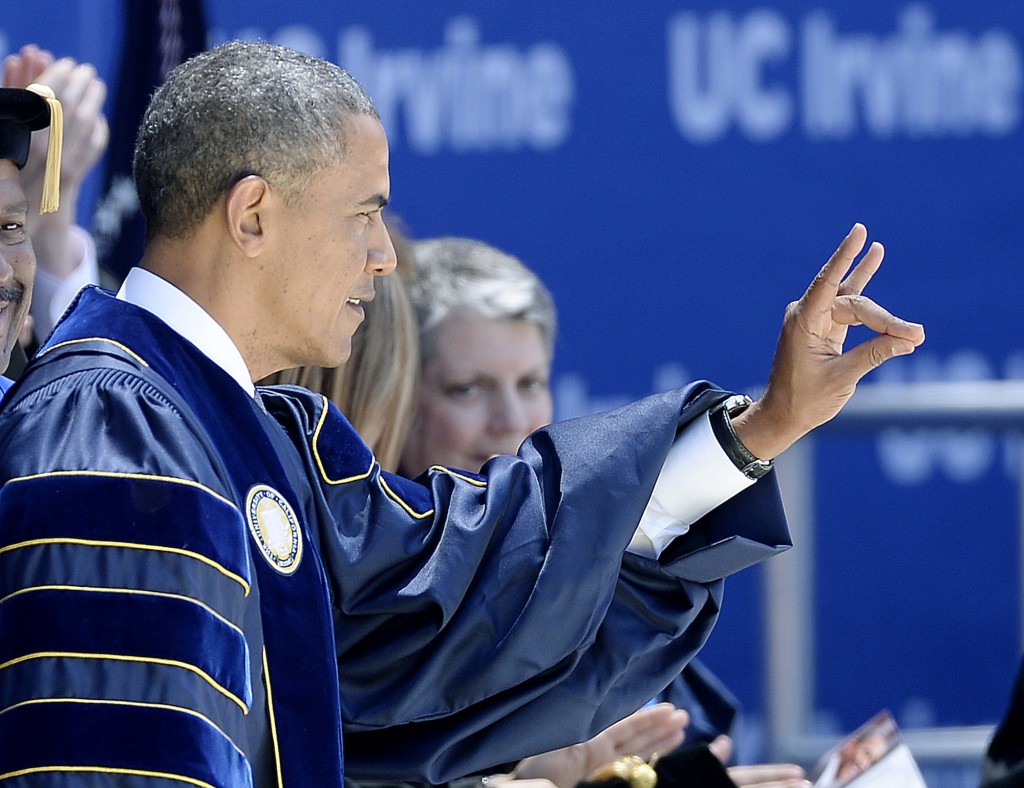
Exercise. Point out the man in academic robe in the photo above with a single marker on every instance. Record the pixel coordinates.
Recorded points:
(203, 582)
(22, 111)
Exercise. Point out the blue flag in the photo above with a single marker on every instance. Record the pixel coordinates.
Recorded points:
(158, 35)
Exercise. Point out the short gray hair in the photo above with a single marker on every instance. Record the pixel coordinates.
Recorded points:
(242, 108)
(452, 274)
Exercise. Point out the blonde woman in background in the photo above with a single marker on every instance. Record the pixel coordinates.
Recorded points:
(487, 327)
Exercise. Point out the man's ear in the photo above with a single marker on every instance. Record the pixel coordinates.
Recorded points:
(246, 204)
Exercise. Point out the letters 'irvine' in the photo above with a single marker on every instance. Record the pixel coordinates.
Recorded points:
(466, 96)
(729, 73)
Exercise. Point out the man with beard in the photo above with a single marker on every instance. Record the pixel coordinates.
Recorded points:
(22, 111)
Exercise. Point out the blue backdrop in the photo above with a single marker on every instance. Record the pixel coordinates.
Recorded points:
(677, 172)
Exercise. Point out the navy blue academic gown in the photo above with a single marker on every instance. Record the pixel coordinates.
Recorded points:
(713, 708)
(5, 383)
(200, 586)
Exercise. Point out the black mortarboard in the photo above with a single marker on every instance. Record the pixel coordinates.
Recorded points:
(22, 111)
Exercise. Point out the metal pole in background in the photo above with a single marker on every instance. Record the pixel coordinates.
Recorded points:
(789, 592)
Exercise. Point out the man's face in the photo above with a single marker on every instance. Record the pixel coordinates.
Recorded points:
(17, 260)
(485, 389)
(333, 246)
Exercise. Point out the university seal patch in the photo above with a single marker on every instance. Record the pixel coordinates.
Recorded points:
(274, 526)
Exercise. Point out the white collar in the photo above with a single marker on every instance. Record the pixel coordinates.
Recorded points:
(183, 315)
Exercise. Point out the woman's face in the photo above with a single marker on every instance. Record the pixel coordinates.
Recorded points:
(485, 389)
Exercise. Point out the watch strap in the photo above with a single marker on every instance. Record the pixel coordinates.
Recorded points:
(720, 417)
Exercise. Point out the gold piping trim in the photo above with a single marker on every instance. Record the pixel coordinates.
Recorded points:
(141, 591)
(107, 770)
(113, 342)
(316, 452)
(132, 546)
(391, 493)
(148, 477)
(174, 663)
(397, 499)
(134, 704)
(273, 721)
(450, 472)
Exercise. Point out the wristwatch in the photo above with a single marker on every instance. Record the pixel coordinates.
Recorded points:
(721, 425)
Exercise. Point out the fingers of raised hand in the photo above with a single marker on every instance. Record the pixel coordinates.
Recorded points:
(658, 741)
(828, 280)
(516, 782)
(868, 266)
(858, 361)
(652, 729)
(100, 137)
(26, 66)
(78, 86)
(853, 286)
(768, 775)
(855, 310)
(86, 133)
(10, 66)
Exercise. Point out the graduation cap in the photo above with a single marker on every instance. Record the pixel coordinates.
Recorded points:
(22, 111)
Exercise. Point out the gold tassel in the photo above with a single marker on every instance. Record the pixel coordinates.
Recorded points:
(633, 769)
(51, 177)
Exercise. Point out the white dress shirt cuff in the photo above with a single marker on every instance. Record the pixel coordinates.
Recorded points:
(697, 476)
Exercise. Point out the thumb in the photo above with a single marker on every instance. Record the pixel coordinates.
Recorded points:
(868, 355)
(721, 748)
